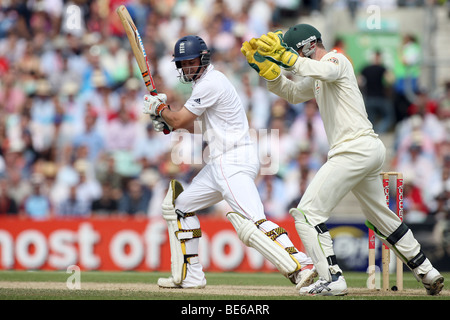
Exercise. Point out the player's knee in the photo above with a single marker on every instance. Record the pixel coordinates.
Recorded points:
(181, 202)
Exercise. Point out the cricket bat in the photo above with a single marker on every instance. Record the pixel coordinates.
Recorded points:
(139, 51)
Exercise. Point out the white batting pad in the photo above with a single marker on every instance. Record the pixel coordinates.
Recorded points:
(251, 236)
(177, 235)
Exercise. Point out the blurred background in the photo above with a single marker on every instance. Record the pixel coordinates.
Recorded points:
(74, 142)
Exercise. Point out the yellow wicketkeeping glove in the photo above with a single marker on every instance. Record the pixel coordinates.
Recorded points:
(276, 50)
(265, 68)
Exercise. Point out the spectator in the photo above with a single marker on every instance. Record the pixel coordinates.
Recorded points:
(122, 133)
(410, 131)
(444, 103)
(43, 113)
(114, 60)
(74, 206)
(29, 153)
(256, 102)
(166, 172)
(18, 189)
(339, 46)
(90, 136)
(423, 104)
(442, 211)
(30, 62)
(439, 190)
(414, 208)
(103, 100)
(12, 96)
(278, 145)
(12, 48)
(66, 174)
(13, 156)
(37, 205)
(66, 74)
(308, 129)
(7, 204)
(88, 188)
(420, 170)
(133, 91)
(273, 196)
(135, 200)
(122, 130)
(95, 79)
(77, 58)
(302, 184)
(407, 76)
(300, 172)
(149, 149)
(107, 205)
(107, 174)
(422, 121)
(379, 107)
(441, 230)
(72, 115)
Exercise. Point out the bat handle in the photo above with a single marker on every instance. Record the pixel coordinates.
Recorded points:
(166, 129)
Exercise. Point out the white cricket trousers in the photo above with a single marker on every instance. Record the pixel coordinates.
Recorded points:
(233, 181)
(355, 166)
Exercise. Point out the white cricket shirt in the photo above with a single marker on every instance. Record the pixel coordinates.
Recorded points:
(224, 122)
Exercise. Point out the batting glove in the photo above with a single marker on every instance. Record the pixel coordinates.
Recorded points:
(273, 47)
(154, 105)
(265, 68)
(160, 125)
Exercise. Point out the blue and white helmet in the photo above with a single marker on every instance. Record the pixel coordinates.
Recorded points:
(188, 48)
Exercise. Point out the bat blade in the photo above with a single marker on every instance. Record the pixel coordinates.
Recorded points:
(137, 47)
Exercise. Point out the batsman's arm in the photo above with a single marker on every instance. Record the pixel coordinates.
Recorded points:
(293, 92)
(182, 119)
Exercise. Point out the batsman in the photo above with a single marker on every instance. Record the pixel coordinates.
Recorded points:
(228, 175)
(355, 158)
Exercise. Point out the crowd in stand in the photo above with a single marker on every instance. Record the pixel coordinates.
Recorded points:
(74, 142)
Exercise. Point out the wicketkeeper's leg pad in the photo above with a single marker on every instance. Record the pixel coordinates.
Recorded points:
(406, 247)
(177, 235)
(316, 243)
(249, 233)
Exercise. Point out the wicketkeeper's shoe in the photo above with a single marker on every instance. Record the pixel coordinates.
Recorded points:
(305, 276)
(168, 283)
(433, 282)
(322, 287)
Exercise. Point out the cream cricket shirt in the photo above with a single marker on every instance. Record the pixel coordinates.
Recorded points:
(332, 82)
(224, 122)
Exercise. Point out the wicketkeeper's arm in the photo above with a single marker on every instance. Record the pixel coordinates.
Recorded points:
(293, 92)
(328, 70)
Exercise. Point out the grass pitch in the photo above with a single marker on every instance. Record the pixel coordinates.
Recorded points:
(96, 285)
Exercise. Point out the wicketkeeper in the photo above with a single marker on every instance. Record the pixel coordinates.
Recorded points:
(355, 158)
(229, 174)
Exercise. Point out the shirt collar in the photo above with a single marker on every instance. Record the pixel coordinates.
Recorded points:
(207, 70)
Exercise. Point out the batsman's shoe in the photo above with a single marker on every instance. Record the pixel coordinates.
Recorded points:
(305, 276)
(433, 282)
(170, 284)
(337, 287)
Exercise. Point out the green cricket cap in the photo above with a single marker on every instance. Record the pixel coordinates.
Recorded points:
(300, 34)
